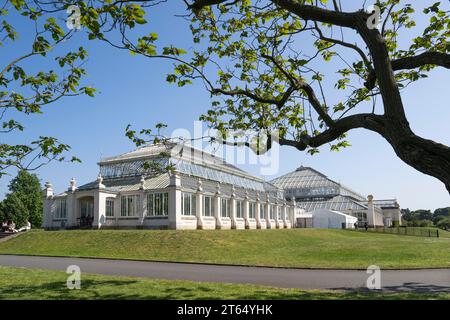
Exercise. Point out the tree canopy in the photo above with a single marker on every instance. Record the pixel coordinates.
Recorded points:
(274, 65)
(12, 208)
(24, 200)
(309, 71)
(424, 218)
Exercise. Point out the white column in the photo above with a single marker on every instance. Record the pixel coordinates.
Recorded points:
(284, 213)
(246, 213)
(233, 208)
(117, 208)
(258, 212)
(292, 213)
(71, 210)
(70, 204)
(143, 211)
(48, 200)
(268, 220)
(199, 204)
(370, 211)
(175, 201)
(99, 209)
(277, 216)
(216, 206)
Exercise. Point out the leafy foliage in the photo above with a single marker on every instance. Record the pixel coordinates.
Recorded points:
(14, 209)
(425, 218)
(27, 188)
(25, 200)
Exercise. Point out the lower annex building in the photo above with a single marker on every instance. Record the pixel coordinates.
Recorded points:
(312, 191)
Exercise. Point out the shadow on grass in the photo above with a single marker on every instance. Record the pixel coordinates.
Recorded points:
(419, 288)
(132, 289)
(405, 288)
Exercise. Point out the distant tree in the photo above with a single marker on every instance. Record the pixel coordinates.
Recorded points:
(406, 214)
(423, 214)
(441, 212)
(443, 222)
(2, 212)
(27, 188)
(14, 209)
(423, 218)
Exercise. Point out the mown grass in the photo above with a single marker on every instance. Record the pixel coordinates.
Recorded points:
(303, 248)
(36, 284)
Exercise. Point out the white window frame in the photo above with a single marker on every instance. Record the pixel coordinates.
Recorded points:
(208, 206)
(239, 209)
(262, 211)
(61, 209)
(109, 207)
(130, 211)
(188, 204)
(158, 204)
(251, 210)
(226, 206)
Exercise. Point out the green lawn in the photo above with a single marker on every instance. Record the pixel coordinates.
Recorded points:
(308, 248)
(33, 284)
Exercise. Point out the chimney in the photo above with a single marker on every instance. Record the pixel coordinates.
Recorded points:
(48, 190)
(73, 185)
(175, 180)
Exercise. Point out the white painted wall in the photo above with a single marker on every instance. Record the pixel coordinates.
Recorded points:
(323, 218)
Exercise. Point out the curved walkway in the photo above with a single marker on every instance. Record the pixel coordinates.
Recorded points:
(429, 280)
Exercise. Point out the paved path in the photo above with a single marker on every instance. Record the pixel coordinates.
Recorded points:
(437, 280)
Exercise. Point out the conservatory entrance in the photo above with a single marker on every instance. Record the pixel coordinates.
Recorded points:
(86, 212)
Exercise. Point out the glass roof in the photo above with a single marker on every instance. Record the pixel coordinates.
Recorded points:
(387, 204)
(338, 203)
(122, 169)
(303, 177)
(188, 161)
(130, 184)
(306, 182)
(216, 175)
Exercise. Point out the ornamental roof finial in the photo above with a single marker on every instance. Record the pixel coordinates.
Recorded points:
(100, 181)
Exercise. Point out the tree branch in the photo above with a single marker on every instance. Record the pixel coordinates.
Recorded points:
(307, 89)
(347, 45)
(408, 63)
(310, 12)
(365, 120)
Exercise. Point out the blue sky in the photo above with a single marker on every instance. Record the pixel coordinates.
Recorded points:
(133, 90)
